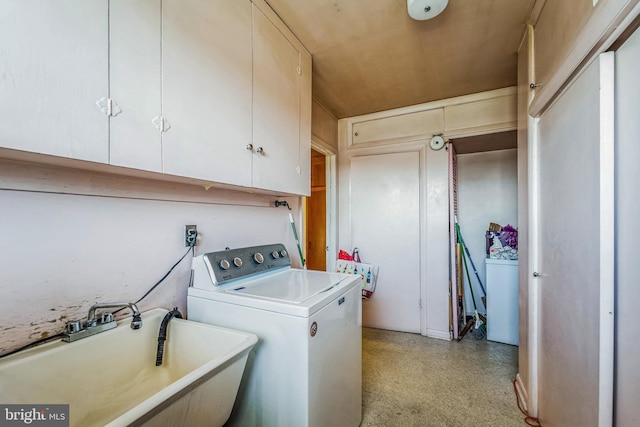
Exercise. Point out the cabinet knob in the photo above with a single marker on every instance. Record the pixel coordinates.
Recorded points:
(260, 150)
(250, 147)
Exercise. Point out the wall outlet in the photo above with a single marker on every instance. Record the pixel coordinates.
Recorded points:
(190, 235)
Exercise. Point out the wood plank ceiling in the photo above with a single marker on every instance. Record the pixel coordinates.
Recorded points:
(369, 55)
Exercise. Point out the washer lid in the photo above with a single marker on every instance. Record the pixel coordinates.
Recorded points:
(291, 286)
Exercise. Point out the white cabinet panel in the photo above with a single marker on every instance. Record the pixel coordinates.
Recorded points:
(276, 108)
(305, 125)
(135, 55)
(53, 69)
(404, 127)
(206, 81)
(481, 117)
(385, 223)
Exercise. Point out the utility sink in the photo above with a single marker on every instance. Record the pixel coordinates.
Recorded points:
(110, 379)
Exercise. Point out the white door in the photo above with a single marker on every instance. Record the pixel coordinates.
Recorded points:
(575, 354)
(627, 232)
(385, 226)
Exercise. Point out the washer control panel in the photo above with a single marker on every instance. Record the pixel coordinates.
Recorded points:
(233, 264)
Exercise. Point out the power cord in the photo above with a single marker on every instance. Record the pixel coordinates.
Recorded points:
(151, 289)
(528, 419)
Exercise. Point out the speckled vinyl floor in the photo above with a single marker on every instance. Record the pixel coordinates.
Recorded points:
(410, 380)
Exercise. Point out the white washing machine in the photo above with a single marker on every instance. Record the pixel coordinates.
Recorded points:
(306, 369)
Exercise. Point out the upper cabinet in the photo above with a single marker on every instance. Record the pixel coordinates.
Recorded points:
(218, 92)
(470, 115)
(135, 83)
(206, 85)
(281, 107)
(53, 70)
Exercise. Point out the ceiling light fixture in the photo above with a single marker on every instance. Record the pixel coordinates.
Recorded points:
(425, 9)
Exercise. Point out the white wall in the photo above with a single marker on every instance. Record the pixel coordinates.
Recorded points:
(60, 253)
(487, 192)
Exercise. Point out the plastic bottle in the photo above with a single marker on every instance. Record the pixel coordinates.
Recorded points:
(496, 247)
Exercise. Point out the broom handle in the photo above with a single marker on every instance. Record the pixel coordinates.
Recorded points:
(295, 235)
(475, 270)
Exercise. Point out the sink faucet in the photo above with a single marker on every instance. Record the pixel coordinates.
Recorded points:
(162, 334)
(77, 329)
(136, 321)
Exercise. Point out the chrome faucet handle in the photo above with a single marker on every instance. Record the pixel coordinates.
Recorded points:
(106, 317)
(136, 322)
(73, 327)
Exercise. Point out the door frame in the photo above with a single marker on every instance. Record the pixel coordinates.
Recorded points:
(331, 202)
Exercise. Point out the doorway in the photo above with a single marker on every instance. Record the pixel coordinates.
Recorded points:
(316, 214)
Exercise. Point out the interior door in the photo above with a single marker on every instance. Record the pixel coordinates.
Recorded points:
(385, 226)
(575, 274)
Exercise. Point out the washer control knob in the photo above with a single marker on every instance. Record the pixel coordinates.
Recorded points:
(283, 253)
(237, 261)
(224, 264)
(275, 255)
(257, 257)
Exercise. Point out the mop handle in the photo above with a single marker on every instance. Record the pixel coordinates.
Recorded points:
(475, 270)
(295, 235)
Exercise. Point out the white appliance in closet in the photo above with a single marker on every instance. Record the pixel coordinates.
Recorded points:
(502, 300)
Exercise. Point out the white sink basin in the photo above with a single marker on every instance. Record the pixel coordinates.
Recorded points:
(110, 379)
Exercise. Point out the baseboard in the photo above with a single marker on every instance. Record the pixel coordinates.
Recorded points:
(522, 393)
(441, 335)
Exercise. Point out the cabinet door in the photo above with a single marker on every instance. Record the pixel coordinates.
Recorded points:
(53, 69)
(304, 182)
(206, 83)
(134, 69)
(276, 108)
(404, 127)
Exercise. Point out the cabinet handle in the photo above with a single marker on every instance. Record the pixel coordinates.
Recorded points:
(250, 147)
(260, 150)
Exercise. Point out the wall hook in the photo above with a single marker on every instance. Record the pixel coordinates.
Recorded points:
(279, 203)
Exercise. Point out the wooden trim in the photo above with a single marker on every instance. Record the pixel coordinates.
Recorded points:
(23, 176)
(607, 238)
(280, 24)
(536, 11)
(322, 146)
(522, 393)
(480, 96)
